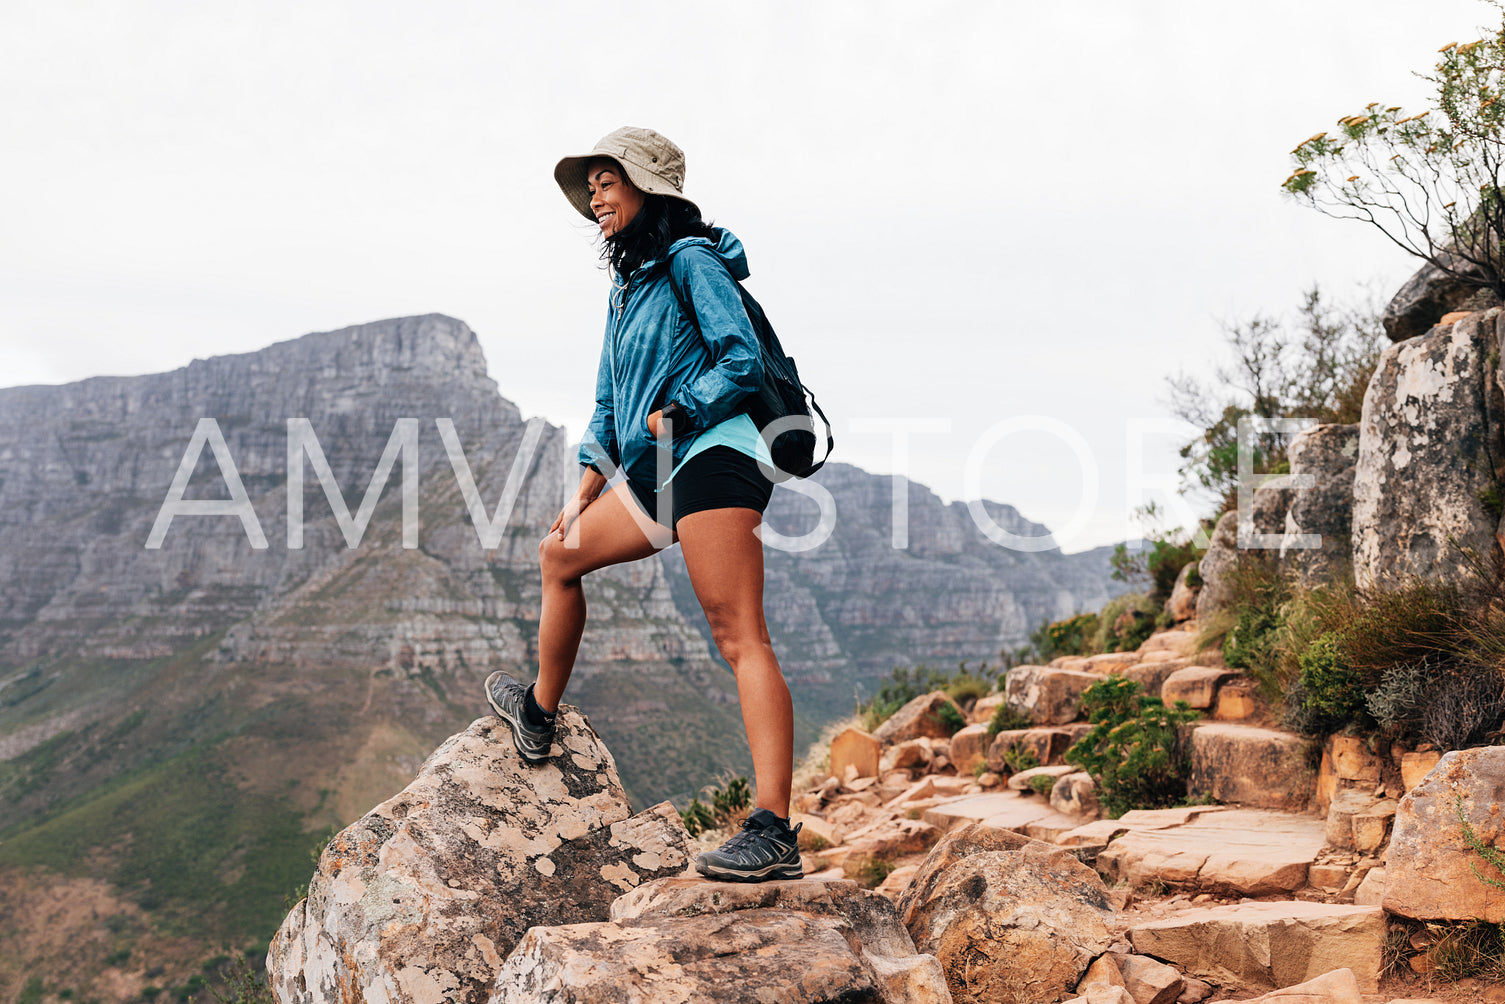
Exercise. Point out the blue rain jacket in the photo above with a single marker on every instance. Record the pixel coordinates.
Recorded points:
(653, 355)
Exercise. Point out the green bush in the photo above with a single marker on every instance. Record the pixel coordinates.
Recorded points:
(725, 804)
(1135, 752)
(1073, 636)
(951, 719)
(1007, 719)
(1125, 622)
(1020, 757)
(1330, 694)
(1042, 784)
(897, 689)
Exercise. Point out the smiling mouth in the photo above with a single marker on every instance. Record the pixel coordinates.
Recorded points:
(604, 218)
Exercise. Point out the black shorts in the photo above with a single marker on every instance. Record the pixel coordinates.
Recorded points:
(717, 478)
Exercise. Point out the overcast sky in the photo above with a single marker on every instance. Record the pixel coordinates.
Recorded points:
(988, 217)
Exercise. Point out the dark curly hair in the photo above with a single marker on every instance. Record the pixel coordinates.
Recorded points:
(660, 222)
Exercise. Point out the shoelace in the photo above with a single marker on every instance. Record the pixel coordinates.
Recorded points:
(742, 837)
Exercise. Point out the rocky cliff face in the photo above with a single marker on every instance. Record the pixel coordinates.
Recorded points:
(85, 469)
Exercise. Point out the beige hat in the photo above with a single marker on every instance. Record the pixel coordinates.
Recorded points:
(651, 162)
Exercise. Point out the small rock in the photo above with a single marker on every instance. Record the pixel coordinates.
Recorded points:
(1196, 685)
(1104, 971)
(1336, 987)
(912, 753)
(969, 747)
(1352, 760)
(854, 750)
(1075, 794)
(1151, 982)
(987, 779)
(1235, 701)
(1415, 766)
(1196, 991)
(1022, 780)
(1327, 876)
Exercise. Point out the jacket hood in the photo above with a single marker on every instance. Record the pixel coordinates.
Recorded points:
(726, 246)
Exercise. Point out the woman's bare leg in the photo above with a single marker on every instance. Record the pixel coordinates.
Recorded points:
(608, 532)
(724, 557)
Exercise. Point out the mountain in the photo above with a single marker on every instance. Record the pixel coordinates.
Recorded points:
(190, 694)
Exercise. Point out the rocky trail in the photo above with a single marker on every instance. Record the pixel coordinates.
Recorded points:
(934, 873)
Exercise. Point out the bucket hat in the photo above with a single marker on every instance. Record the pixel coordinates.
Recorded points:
(650, 161)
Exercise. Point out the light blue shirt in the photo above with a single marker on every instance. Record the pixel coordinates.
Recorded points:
(738, 432)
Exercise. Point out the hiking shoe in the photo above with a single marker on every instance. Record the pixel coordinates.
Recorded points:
(765, 849)
(508, 699)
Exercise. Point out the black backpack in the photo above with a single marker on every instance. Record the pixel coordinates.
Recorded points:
(782, 396)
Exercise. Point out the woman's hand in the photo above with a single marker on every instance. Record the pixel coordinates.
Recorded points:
(670, 414)
(591, 484)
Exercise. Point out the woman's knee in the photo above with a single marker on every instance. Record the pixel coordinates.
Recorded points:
(737, 638)
(555, 561)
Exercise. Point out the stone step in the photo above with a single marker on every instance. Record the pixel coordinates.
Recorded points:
(1268, 945)
(1249, 766)
(1252, 852)
(1029, 815)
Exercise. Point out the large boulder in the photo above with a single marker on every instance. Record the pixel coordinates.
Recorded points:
(1217, 566)
(1272, 500)
(1429, 294)
(1182, 604)
(1012, 920)
(1261, 768)
(1431, 872)
(852, 747)
(1268, 945)
(1328, 455)
(1048, 696)
(696, 942)
(1426, 489)
(921, 717)
(423, 897)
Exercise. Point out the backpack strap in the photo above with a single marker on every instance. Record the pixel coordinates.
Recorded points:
(749, 304)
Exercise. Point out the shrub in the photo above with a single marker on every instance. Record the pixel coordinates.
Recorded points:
(1136, 751)
(966, 689)
(1042, 784)
(1463, 707)
(901, 686)
(1072, 636)
(1331, 693)
(1020, 757)
(867, 871)
(1125, 622)
(725, 805)
(951, 719)
(1008, 719)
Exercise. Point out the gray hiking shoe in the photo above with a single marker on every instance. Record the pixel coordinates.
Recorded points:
(508, 698)
(765, 849)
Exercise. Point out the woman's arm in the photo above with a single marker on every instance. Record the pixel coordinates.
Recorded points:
(599, 449)
(708, 290)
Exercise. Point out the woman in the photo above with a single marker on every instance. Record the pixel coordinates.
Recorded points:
(679, 358)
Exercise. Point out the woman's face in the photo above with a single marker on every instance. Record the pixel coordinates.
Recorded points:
(614, 199)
